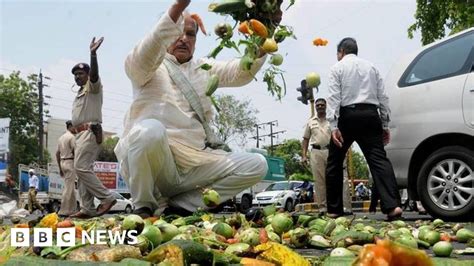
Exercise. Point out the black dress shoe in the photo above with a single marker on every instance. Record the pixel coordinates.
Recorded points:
(143, 212)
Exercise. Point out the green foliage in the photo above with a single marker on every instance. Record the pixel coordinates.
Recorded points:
(19, 102)
(301, 177)
(235, 120)
(107, 153)
(434, 17)
(359, 164)
(290, 151)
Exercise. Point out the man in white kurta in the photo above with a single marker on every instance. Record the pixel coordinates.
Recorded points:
(162, 153)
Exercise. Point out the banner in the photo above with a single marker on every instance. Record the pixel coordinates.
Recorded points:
(4, 149)
(107, 173)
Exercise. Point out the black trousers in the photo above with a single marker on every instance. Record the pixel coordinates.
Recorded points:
(361, 124)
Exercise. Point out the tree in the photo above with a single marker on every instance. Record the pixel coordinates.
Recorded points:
(19, 102)
(359, 164)
(107, 153)
(434, 17)
(290, 151)
(235, 119)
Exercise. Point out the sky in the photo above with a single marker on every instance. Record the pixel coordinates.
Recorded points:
(52, 36)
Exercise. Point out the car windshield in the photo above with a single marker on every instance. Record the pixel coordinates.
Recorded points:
(278, 186)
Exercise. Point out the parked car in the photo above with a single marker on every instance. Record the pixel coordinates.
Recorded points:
(123, 204)
(432, 130)
(282, 194)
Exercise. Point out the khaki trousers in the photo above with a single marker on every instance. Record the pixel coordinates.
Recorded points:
(32, 200)
(318, 168)
(89, 185)
(151, 174)
(68, 199)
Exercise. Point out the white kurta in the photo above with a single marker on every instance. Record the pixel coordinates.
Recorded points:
(162, 152)
(157, 97)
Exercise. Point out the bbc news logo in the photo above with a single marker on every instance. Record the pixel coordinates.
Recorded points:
(66, 237)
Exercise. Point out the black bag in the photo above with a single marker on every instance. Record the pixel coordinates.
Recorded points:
(97, 130)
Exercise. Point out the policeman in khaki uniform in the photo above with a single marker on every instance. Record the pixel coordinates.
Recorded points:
(65, 159)
(317, 134)
(86, 121)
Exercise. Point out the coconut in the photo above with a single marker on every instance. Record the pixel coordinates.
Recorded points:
(281, 223)
(463, 235)
(341, 252)
(211, 198)
(250, 236)
(443, 249)
(142, 243)
(273, 237)
(299, 237)
(238, 249)
(408, 241)
(153, 234)
(133, 222)
(223, 229)
(168, 231)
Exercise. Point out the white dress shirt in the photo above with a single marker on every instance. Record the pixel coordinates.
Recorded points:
(33, 181)
(353, 81)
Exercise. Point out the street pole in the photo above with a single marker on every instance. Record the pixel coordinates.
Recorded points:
(258, 139)
(40, 111)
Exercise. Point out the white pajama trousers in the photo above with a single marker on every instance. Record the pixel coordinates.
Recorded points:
(150, 171)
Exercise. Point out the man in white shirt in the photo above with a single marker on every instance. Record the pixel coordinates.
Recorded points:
(167, 152)
(358, 111)
(33, 182)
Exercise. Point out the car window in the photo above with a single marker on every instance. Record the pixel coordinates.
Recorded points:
(278, 186)
(117, 196)
(445, 60)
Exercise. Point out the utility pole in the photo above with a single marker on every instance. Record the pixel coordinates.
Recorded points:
(272, 134)
(40, 113)
(257, 137)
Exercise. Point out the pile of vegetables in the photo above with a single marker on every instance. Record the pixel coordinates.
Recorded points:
(258, 23)
(265, 239)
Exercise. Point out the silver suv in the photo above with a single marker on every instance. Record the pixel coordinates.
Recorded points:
(432, 147)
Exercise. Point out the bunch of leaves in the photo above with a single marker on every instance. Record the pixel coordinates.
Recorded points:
(268, 13)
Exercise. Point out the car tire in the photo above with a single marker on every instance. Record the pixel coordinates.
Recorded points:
(55, 206)
(289, 205)
(446, 189)
(128, 209)
(245, 204)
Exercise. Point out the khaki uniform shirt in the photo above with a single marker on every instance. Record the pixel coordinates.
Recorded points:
(66, 145)
(87, 106)
(156, 96)
(317, 131)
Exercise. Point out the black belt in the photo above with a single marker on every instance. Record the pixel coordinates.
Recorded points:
(65, 159)
(318, 147)
(360, 106)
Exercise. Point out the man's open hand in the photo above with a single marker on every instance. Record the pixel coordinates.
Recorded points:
(95, 44)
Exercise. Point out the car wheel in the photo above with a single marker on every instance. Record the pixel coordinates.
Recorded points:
(289, 205)
(245, 204)
(128, 209)
(446, 183)
(55, 206)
